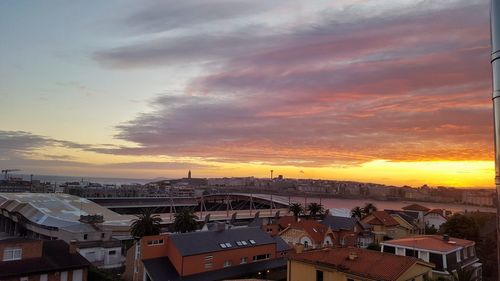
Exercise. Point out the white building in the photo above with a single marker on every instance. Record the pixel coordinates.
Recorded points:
(446, 253)
(61, 216)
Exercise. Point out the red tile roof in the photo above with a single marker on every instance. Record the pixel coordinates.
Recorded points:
(416, 207)
(383, 218)
(366, 263)
(431, 242)
(315, 229)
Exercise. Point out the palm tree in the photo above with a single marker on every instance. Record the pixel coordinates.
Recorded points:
(315, 209)
(369, 208)
(185, 221)
(296, 209)
(146, 224)
(357, 212)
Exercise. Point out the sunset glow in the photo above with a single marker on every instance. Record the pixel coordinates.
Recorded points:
(386, 91)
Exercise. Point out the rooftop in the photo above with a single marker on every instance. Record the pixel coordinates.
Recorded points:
(315, 229)
(337, 223)
(431, 242)
(54, 209)
(194, 243)
(55, 257)
(416, 207)
(382, 218)
(364, 263)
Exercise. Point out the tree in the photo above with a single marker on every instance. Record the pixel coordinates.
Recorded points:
(461, 226)
(430, 229)
(369, 208)
(357, 212)
(146, 224)
(315, 209)
(296, 209)
(185, 221)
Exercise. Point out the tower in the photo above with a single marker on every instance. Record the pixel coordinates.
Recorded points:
(189, 174)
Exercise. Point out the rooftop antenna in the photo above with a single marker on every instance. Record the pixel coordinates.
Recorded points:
(495, 65)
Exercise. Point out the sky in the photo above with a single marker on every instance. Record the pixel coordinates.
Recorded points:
(387, 91)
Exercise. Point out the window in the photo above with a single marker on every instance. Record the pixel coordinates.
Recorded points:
(238, 243)
(223, 245)
(459, 257)
(244, 260)
(244, 243)
(77, 275)
(155, 242)
(208, 262)
(12, 254)
(424, 255)
(306, 244)
(227, 263)
(64, 276)
(252, 241)
(112, 253)
(102, 235)
(44, 277)
(23, 279)
(261, 257)
(319, 275)
(85, 236)
(228, 245)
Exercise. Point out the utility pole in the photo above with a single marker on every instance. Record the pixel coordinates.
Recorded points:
(495, 65)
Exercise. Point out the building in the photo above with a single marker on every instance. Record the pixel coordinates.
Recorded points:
(446, 253)
(349, 231)
(384, 226)
(208, 255)
(29, 259)
(435, 218)
(355, 264)
(64, 217)
(305, 234)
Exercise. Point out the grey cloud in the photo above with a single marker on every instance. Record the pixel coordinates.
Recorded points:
(160, 16)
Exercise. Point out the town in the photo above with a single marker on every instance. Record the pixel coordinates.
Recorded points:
(234, 228)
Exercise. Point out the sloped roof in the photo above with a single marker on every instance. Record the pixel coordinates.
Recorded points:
(431, 243)
(416, 207)
(55, 257)
(382, 218)
(337, 223)
(313, 228)
(437, 212)
(194, 243)
(367, 263)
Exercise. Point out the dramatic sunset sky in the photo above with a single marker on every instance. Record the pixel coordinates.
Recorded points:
(387, 91)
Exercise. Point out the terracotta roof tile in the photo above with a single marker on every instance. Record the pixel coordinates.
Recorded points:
(367, 263)
(431, 242)
(383, 218)
(315, 229)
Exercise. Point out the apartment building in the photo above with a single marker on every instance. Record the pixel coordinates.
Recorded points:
(448, 254)
(207, 255)
(30, 259)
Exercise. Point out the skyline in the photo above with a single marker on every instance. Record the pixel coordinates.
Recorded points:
(394, 92)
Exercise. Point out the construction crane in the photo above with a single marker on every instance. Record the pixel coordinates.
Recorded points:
(7, 171)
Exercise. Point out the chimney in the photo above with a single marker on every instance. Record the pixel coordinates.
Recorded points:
(446, 237)
(72, 247)
(353, 256)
